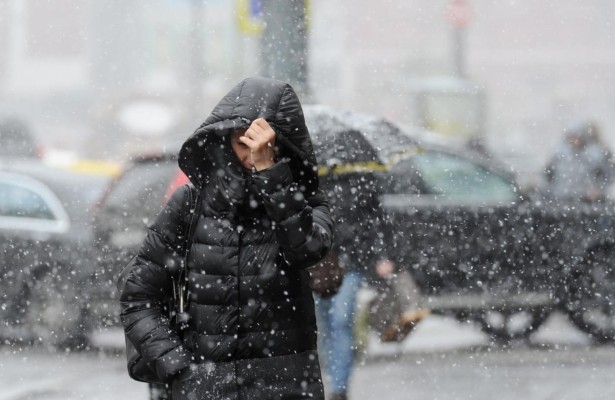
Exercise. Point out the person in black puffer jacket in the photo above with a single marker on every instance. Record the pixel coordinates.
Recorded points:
(263, 221)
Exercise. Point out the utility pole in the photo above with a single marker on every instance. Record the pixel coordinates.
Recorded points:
(197, 65)
(284, 51)
(459, 13)
(459, 52)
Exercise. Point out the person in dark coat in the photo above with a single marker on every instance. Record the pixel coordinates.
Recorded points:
(263, 221)
(363, 240)
(359, 244)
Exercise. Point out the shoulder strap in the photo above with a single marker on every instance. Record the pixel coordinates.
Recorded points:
(124, 274)
(195, 209)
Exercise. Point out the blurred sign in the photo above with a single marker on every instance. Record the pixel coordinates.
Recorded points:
(450, 106)
(256, 8)
(145, 117)
(459, 13)
(250, 16)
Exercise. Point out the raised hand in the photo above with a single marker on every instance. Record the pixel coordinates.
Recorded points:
(260, 139)
(255, 146)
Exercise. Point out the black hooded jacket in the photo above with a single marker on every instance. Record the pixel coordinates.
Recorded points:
(253, 331)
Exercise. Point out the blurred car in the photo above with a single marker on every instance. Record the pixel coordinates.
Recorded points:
(45, 239)
(16, 140)
(122, 216)
(478, 246)
(481, 249)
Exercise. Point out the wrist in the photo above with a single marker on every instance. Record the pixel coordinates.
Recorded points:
(263, 165)
(270, 180)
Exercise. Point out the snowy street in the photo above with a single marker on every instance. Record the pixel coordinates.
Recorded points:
(38, 374)
(442, 359)
(410, 199)
(574, 374)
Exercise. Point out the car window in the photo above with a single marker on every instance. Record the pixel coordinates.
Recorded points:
(453, 178)
(134, 201)
(430, 176)
(403, 179)
(19, 201)
(142, 188)
(27, 204)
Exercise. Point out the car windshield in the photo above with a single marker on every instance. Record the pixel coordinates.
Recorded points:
(449, 179)
(453, 178)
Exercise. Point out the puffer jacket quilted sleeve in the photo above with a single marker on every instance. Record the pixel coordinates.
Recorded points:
(150, 284)
(303, 224)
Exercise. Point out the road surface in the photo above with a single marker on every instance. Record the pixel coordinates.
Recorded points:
(441, 360)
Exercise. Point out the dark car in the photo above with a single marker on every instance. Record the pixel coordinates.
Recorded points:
(483, 250)
(479, 247)
(122, 216)
(45, 239)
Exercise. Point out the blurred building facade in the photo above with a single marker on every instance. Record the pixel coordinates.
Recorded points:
(84, 74)
(69, 65)
(542, 64)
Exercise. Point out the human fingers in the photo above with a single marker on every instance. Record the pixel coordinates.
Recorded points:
(260, 128)
(262, 123)
(259, 139)
(248, 141)
(259, 142)
(261, 152)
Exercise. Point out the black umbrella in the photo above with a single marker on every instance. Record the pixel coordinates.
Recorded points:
(349, 142)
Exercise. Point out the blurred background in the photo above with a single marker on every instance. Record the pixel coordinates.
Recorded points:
(101, 79)
(111, 88)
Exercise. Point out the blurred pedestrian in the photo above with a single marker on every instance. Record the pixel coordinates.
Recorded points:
(581, 168)
(360, 238)
(264, 220)
(16, 139)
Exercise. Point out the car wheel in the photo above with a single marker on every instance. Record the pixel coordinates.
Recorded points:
(591, 301)
(48, 311)
(510, 325)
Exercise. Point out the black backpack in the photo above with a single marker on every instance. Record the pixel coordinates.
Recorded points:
(138, 368)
